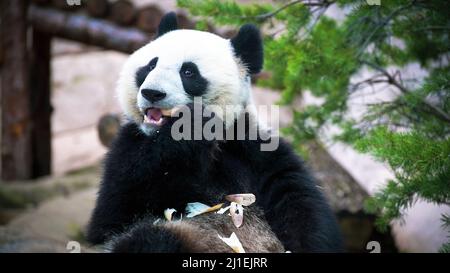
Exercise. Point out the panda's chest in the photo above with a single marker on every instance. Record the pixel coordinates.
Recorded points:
(225, 174)
(232, 173)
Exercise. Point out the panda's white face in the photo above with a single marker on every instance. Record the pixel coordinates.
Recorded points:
(176, 67)
(183, 64)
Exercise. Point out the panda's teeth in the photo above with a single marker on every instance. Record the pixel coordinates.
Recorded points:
(154, 122)
(158, 122)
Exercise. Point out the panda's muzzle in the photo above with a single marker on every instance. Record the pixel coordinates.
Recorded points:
(154, 115)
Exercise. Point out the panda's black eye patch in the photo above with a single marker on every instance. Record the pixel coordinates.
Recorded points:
(193, 82)
(142, 72)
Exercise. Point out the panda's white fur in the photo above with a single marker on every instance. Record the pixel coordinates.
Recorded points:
(228, 80)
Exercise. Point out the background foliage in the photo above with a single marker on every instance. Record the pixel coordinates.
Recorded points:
(307, 50)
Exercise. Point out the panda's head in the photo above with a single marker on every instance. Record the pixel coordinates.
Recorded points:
(182, 64)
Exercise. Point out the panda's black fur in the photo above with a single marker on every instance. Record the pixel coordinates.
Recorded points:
(144, 175)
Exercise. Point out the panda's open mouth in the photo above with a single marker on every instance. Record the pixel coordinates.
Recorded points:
(156, 116)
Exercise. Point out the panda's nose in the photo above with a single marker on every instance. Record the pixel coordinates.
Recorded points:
(153, 95)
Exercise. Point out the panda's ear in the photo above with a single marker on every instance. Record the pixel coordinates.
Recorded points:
(248, 47)
(167, 24)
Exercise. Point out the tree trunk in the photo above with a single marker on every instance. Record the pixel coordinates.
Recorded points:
(40, 2)
(98, 8)
(81, 28)
(148, 18)
(40, 103)
(67, 4)
(123, 12)
(185, 22)
(16, 162)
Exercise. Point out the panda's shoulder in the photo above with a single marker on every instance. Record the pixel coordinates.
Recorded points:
(129, 131)
(125, 145)
(128, 137)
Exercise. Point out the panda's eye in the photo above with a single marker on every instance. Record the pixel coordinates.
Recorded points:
(188, 73)
(189, 70)
(193, 82)
(152, 64)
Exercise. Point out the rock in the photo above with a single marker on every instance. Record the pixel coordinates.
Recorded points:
(20, 195)
(107, 128)
(347, 198)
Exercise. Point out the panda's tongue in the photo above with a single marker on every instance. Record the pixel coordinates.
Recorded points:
(154, 114)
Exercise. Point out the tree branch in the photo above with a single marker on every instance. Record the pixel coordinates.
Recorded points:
(81, 28)
(436, 111)
(443, 28)
(265, 16)
(371, 81)
(384, 23)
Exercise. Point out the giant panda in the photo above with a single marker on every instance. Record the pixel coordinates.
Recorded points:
(147, 171)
